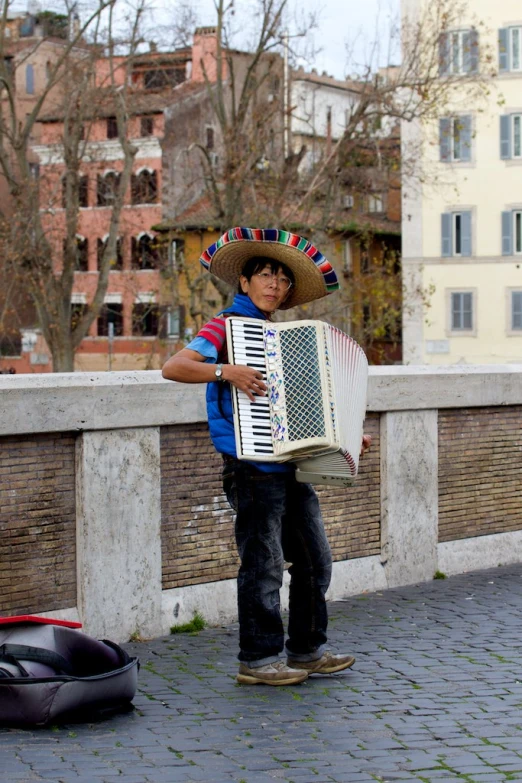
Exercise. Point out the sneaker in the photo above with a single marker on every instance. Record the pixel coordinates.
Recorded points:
(277, 673)
(326, 664)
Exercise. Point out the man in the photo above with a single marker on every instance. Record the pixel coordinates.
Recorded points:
(278, 518)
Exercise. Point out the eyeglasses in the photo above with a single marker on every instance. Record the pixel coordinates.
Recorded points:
(267, 278)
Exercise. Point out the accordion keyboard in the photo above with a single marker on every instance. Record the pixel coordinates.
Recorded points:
(254, 417)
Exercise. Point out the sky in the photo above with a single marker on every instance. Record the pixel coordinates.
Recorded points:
(355, 24)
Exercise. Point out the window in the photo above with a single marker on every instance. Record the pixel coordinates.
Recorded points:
(110, 313)
(510, 136)
(161, 78)
(456, 234)
(77, 311)
(365, 260)
(34, 171)
(145, 319)
(176, 322)
(510, 49)
(144, 252)
(144, 187)
(455, 138)
(115, 263)
(176, 254)
(11, 343)
(516, 310)
(29, 79)
(8, 64)
(146, 126)
(81, 263)
(112, 128)
(107, 186)
(461, 311)
(27, 25)
(375, 202)
(209, 138)
(458, 52)
(328, 118)
(83, 191)
(512, 232)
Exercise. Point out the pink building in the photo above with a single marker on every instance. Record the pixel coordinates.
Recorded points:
(137, 325)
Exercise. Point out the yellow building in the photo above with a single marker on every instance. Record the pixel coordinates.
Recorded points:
(462, 206)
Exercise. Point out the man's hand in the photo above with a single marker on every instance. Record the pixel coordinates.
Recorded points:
(366, 443)
(246, 379)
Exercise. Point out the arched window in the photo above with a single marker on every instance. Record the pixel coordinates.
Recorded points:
(83, 191)
(116, 263)
(145, 317)
(107, 187)
(82, 253)
(144, 187)
(145, 252)
(111, 313)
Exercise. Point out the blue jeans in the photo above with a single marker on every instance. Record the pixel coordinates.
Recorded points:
(278, 519)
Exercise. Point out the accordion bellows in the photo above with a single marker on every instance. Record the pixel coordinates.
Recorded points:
(314, 410)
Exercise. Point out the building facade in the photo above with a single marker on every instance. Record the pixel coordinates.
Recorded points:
(462, 207)
(138, 324)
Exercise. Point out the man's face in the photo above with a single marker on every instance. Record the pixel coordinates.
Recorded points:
(267, 290)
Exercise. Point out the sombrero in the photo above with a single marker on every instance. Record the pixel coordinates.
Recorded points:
(313, 273)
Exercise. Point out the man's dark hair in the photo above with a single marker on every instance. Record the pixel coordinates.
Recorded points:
(257, 263)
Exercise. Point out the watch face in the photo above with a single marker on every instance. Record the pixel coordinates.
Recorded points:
(219, 373)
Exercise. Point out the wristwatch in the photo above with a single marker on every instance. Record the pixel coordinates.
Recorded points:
(219, 373)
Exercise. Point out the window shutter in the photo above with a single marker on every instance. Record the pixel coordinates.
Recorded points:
(507, 233)
(445, 139)
(467, 311)
(505, 137)
(444, 54)
(446, 243)
(473, 51)
(465, 137)
(503, 49)
(466, 233)
(456, 311)
(466, 52)
(29, 79)
(516, 309)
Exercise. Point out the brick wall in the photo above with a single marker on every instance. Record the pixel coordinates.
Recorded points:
(37, 523)
(197, 523)
(480, 469)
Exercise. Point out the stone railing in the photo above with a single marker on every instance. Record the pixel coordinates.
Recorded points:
(111, 510)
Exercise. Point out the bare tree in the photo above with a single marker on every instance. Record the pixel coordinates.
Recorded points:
(32, 236)
(260, 179)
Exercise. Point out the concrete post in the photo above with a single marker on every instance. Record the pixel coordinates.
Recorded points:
(409, 496)
(118, 533)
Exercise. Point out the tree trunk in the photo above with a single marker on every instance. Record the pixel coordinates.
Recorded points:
(62, 353)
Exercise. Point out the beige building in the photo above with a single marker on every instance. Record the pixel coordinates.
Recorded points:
(462, 207)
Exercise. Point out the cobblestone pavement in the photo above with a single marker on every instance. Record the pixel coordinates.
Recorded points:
(435, 695)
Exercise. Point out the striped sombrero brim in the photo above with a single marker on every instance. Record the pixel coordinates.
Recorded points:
(313, 273)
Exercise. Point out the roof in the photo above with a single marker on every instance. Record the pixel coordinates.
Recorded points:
(300, 75)
(201, 215)
(137, 102)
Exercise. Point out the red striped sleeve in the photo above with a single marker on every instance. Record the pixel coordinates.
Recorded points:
(214, 332)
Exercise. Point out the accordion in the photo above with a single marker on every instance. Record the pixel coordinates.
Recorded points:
(314, 409)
